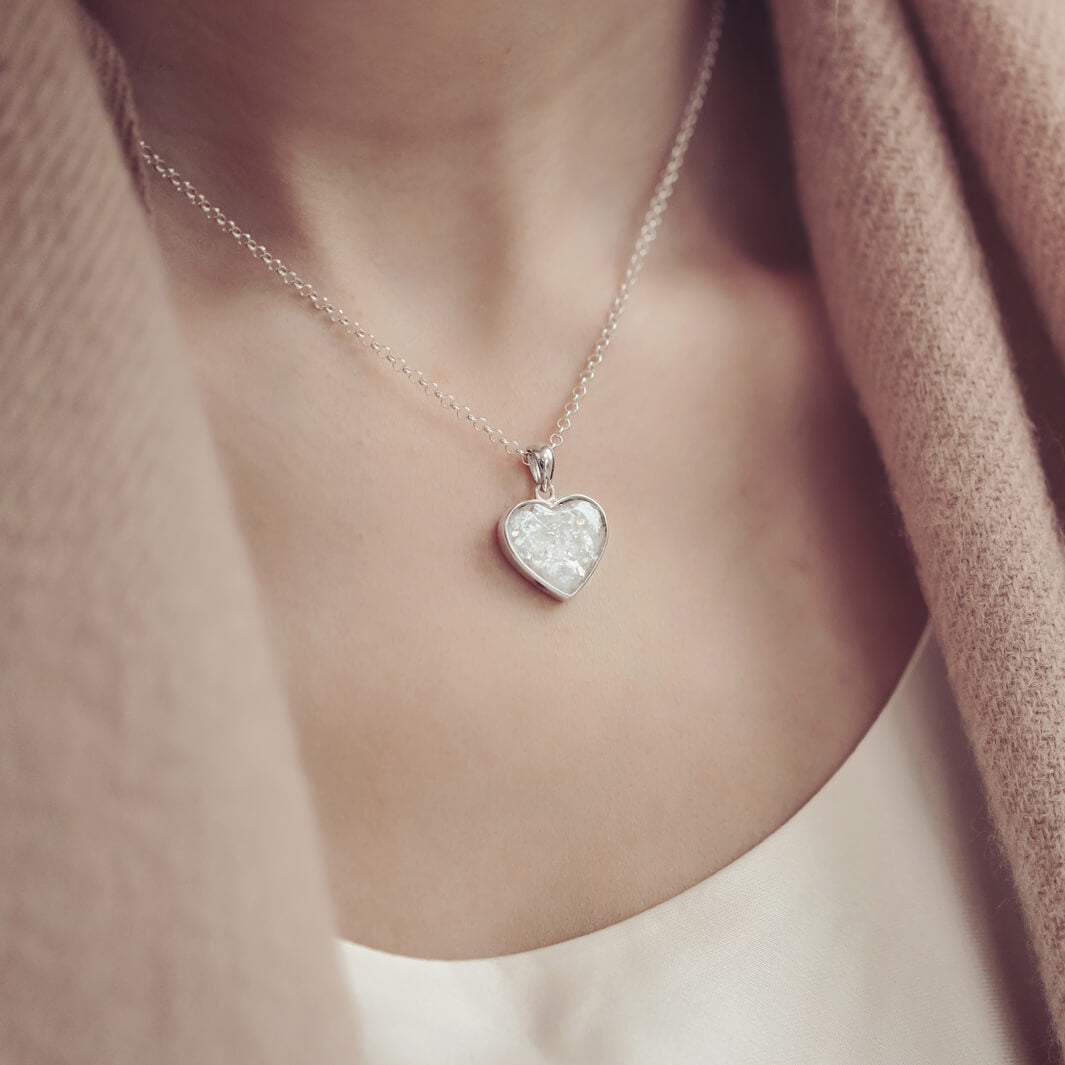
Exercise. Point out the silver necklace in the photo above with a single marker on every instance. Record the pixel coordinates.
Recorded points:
(556, 543)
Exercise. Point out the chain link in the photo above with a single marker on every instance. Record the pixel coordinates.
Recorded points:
(648, 231)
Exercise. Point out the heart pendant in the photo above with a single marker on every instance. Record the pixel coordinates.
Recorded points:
(556, 544)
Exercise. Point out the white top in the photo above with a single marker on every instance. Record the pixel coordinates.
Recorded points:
(870, 928)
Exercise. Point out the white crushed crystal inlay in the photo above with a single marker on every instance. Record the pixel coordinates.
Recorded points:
(560, 544)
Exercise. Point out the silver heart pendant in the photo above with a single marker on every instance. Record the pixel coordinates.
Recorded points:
(556, 544)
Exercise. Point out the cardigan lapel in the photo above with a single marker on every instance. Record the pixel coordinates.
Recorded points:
(162, 896)
(909, 294)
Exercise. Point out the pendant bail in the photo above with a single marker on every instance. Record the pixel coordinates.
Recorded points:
(541, 460)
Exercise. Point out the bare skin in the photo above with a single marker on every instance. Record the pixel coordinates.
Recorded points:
(494, 771)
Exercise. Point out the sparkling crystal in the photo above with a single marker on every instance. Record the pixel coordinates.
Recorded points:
(559, 544)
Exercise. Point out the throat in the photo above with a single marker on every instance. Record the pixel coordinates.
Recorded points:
(410, 127)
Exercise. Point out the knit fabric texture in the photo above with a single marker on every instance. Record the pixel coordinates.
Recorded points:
(162, 889)
(888, 105)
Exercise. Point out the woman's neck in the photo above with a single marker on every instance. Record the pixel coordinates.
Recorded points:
(388, 72)
(398, 125)
(465, 176)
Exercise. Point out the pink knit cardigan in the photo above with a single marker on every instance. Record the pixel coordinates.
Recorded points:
(162, 890)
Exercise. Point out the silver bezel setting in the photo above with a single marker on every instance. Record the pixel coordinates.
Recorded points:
(520, 565)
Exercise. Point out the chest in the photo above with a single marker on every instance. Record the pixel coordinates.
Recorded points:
(494, 770)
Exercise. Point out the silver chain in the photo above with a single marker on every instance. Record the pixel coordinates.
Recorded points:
(648, 231)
